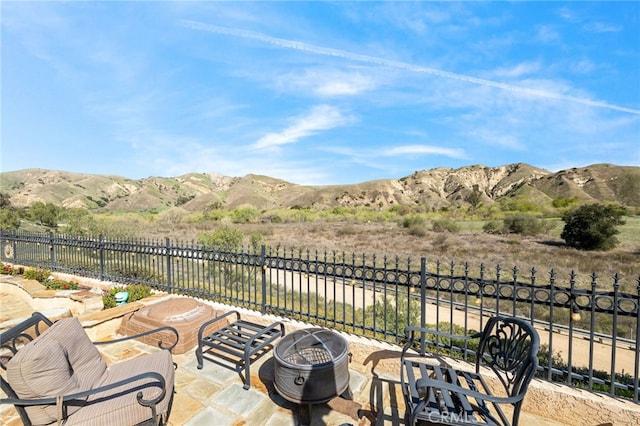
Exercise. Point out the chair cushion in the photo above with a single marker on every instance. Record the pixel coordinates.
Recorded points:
(119, 406)
(61, 361)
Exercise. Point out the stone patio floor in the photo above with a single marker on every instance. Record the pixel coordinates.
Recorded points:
(215, 396)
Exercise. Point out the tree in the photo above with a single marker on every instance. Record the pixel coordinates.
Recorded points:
(225, 237)
(9, 219)
(45, 214)
(5, 201)
(78, 221)
(475, 198)
(592, 226)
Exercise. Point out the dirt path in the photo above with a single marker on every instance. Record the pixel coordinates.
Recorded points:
(559, 341)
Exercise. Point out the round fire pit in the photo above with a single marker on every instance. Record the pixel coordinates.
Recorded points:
(311, 366)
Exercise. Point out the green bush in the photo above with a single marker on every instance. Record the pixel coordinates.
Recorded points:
(9, 219)
(493, 227)
(415, 224)
(256, 239)
(37, 274)
(7, 269)
(559, 365)
(229, 237)
(60, 285)
(592, 226)
(136, 273)
(136, 292)
(520, 203)
(445, 225)
(244, 215)
(411, 221)
(45, 214)
(564, 203)
(523, 224)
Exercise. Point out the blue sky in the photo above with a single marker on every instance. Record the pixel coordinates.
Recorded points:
(317, 92)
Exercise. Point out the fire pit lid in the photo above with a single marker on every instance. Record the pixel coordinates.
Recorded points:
(312, 347)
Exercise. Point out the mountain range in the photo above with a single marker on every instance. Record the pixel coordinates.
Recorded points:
(433, 189)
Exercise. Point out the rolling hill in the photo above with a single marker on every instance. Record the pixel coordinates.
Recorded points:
(432, 189)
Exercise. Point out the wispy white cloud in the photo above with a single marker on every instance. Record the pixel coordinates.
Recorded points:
(602, 27)
(397, 151)
(344, 84)
(568, 15)
(547, 34)
(325, 82)
(595, 26)
(319, 50)
(582, 66)
(393, 160)
(494, 137)
(423, 150)
(518, 70)
(320, 117)
(175, 155)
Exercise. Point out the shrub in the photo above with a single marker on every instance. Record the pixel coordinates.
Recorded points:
(564, 203)
(45, 214)
(411, 221)
(136, 273)
(256, 239)
(226, 236)
(9, 270)
(523, 224)
(9, 219)
(441, 242)
(60, 285)
(136, 292)
(418, 231)
(415, 224)
(445, 225)
(592, 226)
(581, 379)
(346, 230)
(37, 274)
(493, 227)
(244, 215)
(475, 198)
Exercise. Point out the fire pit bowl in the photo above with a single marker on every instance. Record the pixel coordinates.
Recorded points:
(311, 366)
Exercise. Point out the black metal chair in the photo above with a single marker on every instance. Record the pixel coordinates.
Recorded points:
(440, 394)
(52, 371)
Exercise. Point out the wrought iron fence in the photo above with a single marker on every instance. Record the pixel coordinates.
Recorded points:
(590, 333)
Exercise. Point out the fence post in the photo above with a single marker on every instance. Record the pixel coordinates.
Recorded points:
(592, 327)
(15, 248)
(552, 281)
(573, 307)
(101, 251)
(637, 359)
(168, 247)
(423, 301)
(52, 253)
(263, 267)
(614, 333)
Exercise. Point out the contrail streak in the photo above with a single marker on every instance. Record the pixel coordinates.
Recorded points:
(310, 48)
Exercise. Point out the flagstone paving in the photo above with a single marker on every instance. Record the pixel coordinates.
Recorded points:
(214, 395)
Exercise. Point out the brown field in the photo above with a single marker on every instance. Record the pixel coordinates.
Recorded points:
(542, 252)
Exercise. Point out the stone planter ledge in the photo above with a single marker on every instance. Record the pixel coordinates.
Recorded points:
(55, 304)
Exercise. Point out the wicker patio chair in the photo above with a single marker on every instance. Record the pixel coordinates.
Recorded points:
(440, 394)
(53, 373)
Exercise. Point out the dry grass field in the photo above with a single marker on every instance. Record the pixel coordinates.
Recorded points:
(542, 252)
